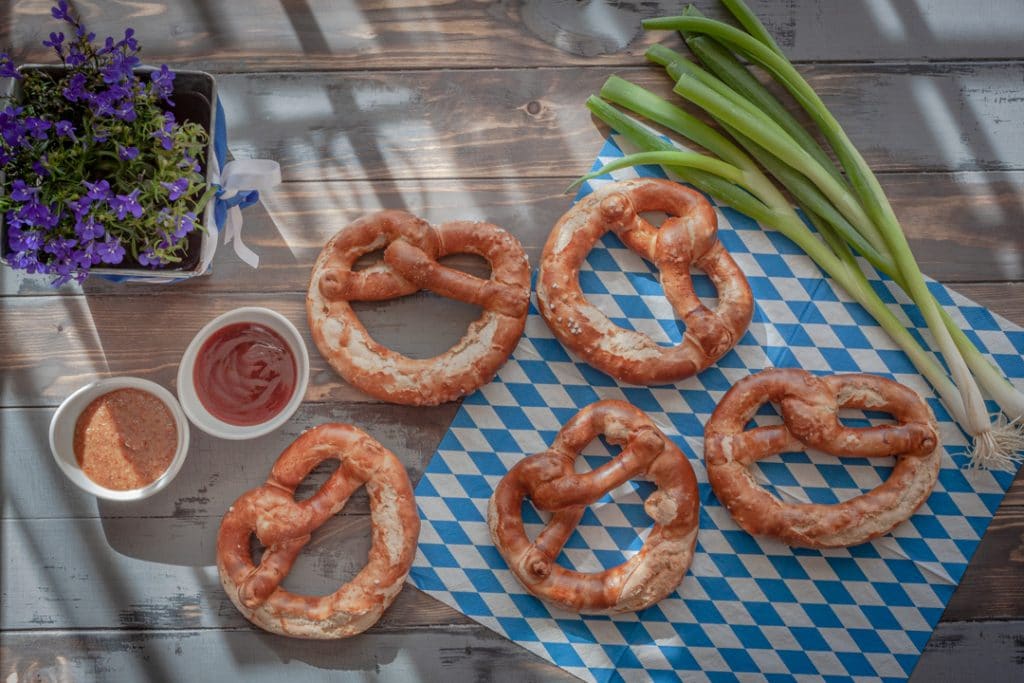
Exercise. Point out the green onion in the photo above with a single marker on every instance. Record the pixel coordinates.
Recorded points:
(676, 159)
(848, 212)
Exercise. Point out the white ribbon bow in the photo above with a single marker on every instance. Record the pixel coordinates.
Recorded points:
(245, 175)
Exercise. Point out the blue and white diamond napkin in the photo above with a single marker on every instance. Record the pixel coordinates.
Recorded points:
(749, 608)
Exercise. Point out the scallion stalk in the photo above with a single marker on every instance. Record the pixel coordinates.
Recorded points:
(993, 447)
(734, 74)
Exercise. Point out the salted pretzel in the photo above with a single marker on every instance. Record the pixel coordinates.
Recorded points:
(412, 248)
(551, 482)
(284, 527)
(809, 406)
(689, 236)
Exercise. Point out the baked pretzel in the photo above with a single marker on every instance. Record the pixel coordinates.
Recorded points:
(551, 482)
(689, 236)
(413, 247)
(284, 527)
(809, 407)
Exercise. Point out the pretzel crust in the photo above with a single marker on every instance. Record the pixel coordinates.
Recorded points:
(809, 406)
(688, 237)
(412, 248)
(550, 481)
(284, 526)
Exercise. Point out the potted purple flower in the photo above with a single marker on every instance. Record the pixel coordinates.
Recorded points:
(104, 162)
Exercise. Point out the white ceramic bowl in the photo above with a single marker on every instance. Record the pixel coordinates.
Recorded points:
(195, 409)
(62, 436)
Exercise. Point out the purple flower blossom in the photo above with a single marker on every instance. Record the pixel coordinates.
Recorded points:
(127, 153)
(149, 258)
(36, 213)
(89, 228)
(110, 250)
(21, 192)
(65, 129)
(75, 55)
(108, 46)
(7, 67)
(12, 128)
(80, 206)
(124, 204)
(61, 12)
(26, 260)
(125, 111)
(120, 68)
(186, 224)
(129, 40)
(56, 41)
(165, 140)
(188, 163)
(163, 83)
(86, 257)
(39, 166)
(101, 104)
(176, 189)
(60, 246)
(24, 240)
(63, 268)
(37, 127)
(75, 89)
(98, 191)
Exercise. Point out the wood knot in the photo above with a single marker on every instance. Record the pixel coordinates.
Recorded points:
(533, 108)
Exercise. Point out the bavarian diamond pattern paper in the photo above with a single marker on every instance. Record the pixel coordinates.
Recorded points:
(749, 608)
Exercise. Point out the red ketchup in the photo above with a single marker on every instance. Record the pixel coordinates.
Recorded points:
(244, 374)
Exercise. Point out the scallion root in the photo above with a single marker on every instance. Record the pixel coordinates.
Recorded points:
(998, 448)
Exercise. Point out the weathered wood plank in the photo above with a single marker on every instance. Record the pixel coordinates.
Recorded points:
(973, 651)
(143, 573)
(515, 123)
(216, 471)
(977, 214)
(321, 35)
(957, 651)
(50, 346)
(470, 653)
(991, 587)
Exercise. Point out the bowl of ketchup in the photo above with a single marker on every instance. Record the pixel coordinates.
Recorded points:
(244, 374)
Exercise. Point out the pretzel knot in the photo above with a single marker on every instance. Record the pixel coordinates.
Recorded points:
(550, 481)
(689, 236)
(284, 527)
(412, 249)
(810, 410)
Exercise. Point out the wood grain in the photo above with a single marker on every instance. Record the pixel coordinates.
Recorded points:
(157, 572)
(976, 214)
(973, 651)
(216, 471)
(956, 652)
(53, 345)
(451, 108)
(517, 123)
(324, 35)
(469, 653)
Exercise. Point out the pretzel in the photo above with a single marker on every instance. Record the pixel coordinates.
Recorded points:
(410, 263)
(551, 482)
(284, 527)
(809, 407)
(688, 237)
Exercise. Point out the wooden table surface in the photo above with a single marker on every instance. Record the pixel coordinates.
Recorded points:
(449, 109)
